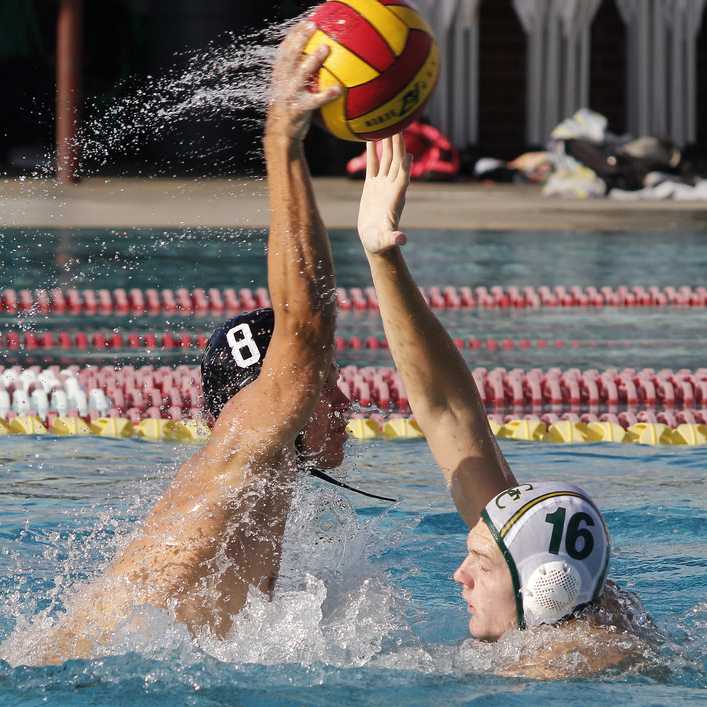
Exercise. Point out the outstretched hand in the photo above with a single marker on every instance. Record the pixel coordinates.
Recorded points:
(291, 101)
(383, 199)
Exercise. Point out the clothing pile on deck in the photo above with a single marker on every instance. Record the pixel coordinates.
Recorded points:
(436, 159)
(584, 159)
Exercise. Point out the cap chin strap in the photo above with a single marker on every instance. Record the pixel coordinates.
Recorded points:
(319, 474)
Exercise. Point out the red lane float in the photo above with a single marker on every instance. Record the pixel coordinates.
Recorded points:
(229, 302)
(626, 396)
(171, 341)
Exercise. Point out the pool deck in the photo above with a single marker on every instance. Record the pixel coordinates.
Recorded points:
(180, 203)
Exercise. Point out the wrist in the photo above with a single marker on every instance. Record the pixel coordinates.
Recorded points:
(278, 126)
(381, 256)
(279, 142)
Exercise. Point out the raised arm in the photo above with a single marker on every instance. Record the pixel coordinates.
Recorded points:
(243, 478)
(270, 412)
(441, 390)
(218, 529)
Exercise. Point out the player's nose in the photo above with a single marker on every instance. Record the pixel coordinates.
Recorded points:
(463, 576)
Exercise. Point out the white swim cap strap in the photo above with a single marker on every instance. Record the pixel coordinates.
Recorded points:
(520, 613)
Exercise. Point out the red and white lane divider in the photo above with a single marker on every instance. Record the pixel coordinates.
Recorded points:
(627, 396)
(553, 390)
(90, 393)
(229, 302)
(100, 340)
(14, 340)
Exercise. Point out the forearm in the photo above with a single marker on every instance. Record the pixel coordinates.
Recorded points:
(300, 266)
(436, 376)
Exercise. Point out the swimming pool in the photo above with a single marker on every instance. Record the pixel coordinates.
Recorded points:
(379, 620)
(206, 258)
(370, 616)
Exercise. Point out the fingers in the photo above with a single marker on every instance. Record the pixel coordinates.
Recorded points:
(406, 169)
(386, 158)
(289, 54)
(298, 37)
(312, 63)
(314, 101)
(372, 162)
(398, 155)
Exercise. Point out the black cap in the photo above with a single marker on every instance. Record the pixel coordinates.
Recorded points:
(234, 357)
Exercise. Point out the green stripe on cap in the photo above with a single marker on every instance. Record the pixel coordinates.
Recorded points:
(552, 494)
(520, 614)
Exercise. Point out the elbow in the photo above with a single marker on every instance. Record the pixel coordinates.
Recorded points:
(314, 315)
(315, 331)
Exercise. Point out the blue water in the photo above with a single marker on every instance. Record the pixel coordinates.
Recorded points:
(221, 258)
(371, 617)
(67, 502)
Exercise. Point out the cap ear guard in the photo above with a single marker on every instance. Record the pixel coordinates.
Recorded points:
(551, 593)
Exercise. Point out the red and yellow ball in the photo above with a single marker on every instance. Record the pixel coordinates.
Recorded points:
(385, 57)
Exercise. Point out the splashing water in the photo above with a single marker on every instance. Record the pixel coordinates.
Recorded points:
(333, 604)
(364, 597)
(229, 80)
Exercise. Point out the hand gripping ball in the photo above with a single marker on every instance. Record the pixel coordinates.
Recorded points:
(385, 57)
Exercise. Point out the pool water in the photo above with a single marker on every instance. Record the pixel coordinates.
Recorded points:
(221, 259)
(370, 617)
(366, 611)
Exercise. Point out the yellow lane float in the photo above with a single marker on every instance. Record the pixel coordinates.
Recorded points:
(652, 433)
(396, 428)
(568, 432)
(692, 435)
(529, 430)
(27, 425)
(112, 427)
(73, 426)
(606, 432)
(364, 428)
(402, 428)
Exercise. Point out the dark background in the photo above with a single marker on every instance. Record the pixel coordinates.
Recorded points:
(128, 39)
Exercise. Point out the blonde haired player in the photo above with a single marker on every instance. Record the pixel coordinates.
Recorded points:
(537, 553)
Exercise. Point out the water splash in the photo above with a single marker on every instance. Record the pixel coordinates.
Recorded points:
(229, 80)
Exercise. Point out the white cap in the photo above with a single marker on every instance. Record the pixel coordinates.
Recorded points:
(556, 545)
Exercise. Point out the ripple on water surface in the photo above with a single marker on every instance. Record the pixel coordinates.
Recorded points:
(370, 616)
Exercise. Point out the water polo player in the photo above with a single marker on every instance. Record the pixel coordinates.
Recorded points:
(537, 553)
(218, 529)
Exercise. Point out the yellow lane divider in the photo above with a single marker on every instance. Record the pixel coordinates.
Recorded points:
(399, 428)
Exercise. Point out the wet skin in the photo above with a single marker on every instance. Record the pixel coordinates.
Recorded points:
(487, 587)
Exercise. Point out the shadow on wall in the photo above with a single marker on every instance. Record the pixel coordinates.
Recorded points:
(502, 80)
(702, 89)
(608, 66)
